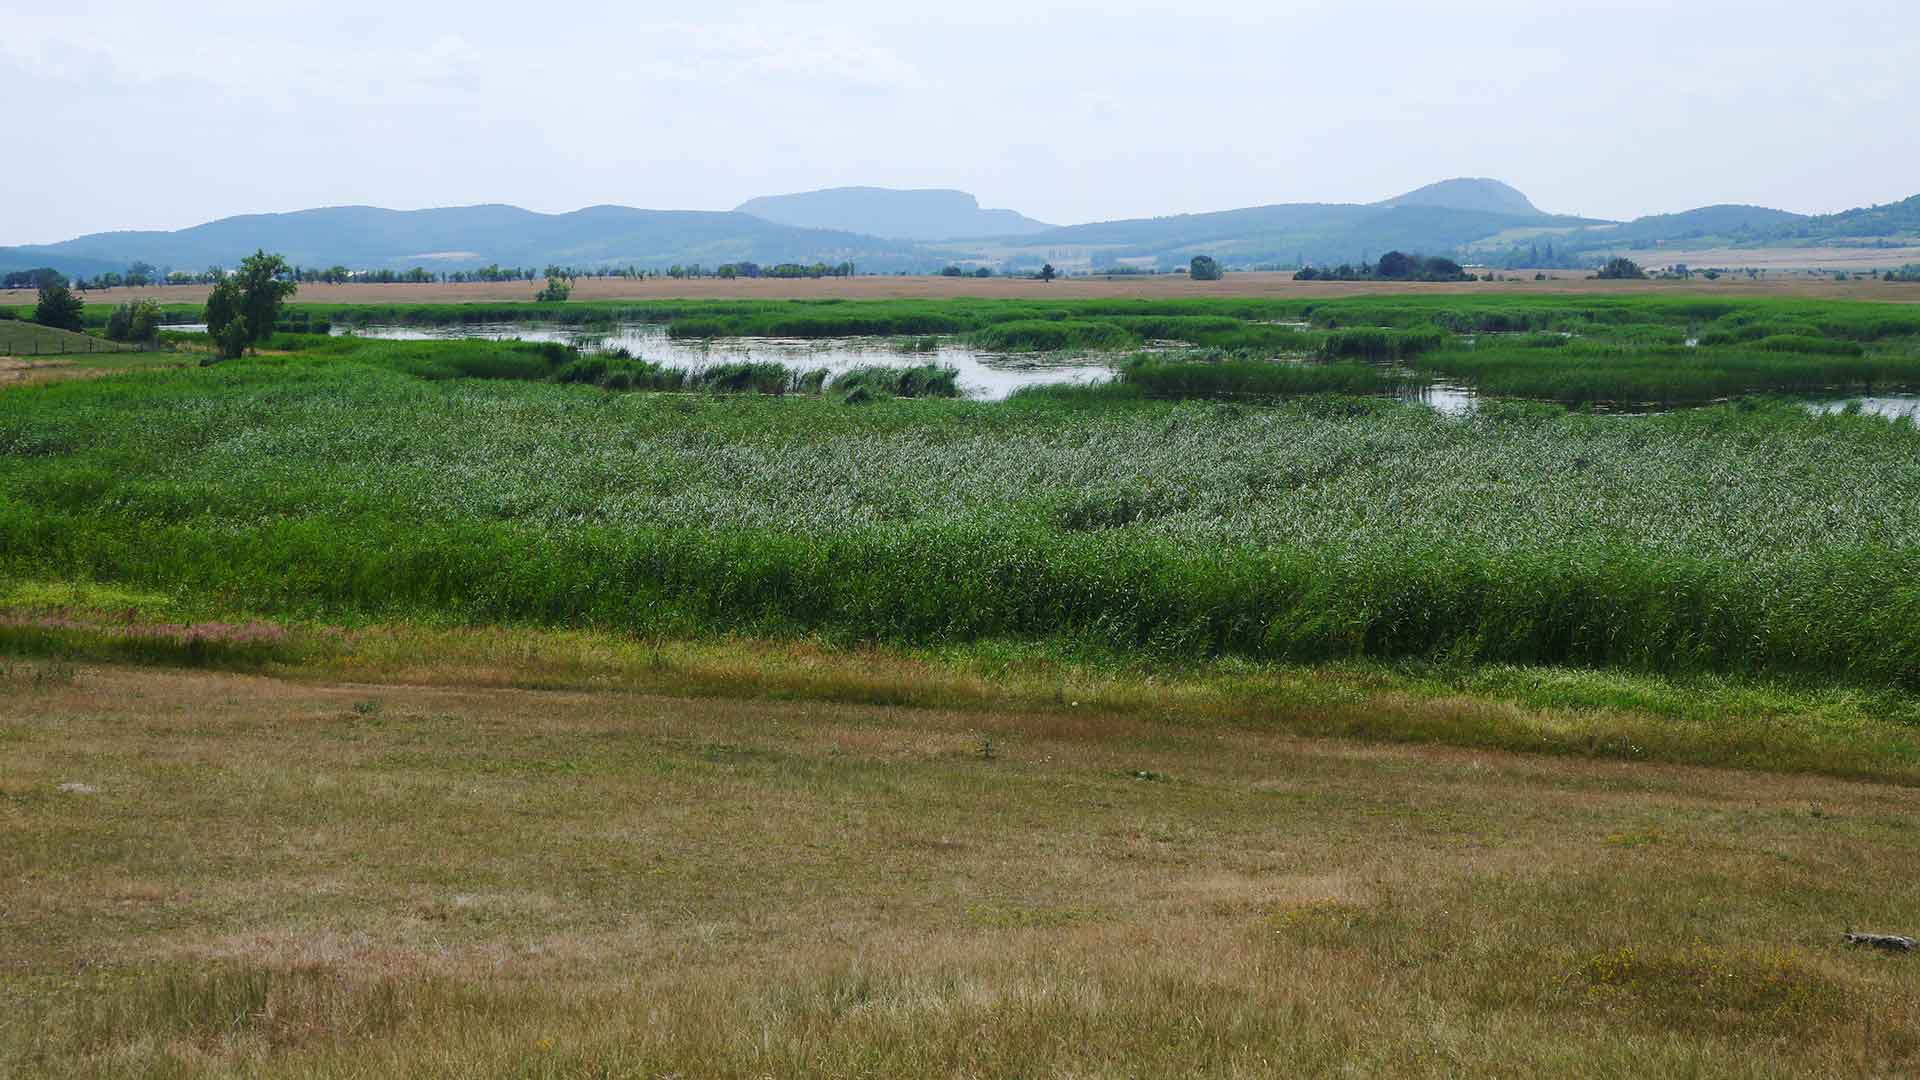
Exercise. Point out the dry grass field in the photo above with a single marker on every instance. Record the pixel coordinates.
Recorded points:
(1280, 285)
(425, 871)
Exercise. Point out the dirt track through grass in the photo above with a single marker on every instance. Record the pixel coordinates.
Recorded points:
(270, 877)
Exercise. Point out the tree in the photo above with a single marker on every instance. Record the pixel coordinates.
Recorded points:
(556, 292)
(1395, 266)
(1048, 273)
(950, 270)
(1620, 268)
(263, 292)
(1203, 268)
(59, 308)
(227, 319)
(245, 305)
(136, 321)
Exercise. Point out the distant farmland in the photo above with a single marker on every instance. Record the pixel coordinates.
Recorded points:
(1279, 285)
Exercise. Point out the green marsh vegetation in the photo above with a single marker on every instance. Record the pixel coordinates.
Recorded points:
(481, 482)
(1576, 350)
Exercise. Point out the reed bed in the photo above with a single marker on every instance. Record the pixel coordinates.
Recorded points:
(1758, 538)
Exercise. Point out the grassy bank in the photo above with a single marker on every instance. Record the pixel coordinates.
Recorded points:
(28, 339)
(1697, 720)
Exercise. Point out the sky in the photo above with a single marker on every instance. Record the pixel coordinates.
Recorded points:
(167, 115)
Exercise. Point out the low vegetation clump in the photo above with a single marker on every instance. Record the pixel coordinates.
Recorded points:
(1582, 373)
(135, 322)
(924, 380)
(1232, 378)
(811, 324)
(1043, 335)
(1379, 344)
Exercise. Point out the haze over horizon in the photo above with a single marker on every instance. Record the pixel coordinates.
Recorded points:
(161, 118)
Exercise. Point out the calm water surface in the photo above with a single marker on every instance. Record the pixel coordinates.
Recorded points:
(985, 375)
(982, 374)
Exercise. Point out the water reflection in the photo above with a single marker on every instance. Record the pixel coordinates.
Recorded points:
(982, 374)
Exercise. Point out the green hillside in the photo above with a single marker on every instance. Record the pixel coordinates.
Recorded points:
(21, 338)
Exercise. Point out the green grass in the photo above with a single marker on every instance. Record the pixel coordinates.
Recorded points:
(1155, 376)
(29, 339)
(1581, 372)
(1756, 540)
(1045, 335)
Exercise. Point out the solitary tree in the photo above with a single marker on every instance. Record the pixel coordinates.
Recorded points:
(1048, 273)
(245, 305)
(1203, 268)
(226, 318)
(58, 307)
(557, 291)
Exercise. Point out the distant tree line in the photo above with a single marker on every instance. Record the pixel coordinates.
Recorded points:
(1393, 266)
(779, 270)
(37, 278)
(1535, 256)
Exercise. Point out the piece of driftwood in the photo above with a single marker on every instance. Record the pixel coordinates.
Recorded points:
(1889, 942)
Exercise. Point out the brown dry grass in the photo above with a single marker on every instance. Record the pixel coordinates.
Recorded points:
(16, 372)
(325, 878)
(1277, 285)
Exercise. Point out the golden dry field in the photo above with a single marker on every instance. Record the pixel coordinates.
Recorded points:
(381, 866)
(1276, 285)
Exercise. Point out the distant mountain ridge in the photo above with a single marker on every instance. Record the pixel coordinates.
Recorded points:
(1435, 219)
(920, 215)
(1479, 220)
(449, 238)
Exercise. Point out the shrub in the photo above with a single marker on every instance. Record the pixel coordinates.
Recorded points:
(1620, 268)
(59, 308)
(137, 321)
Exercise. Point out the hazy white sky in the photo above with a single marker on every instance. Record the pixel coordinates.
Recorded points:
(166, 115)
